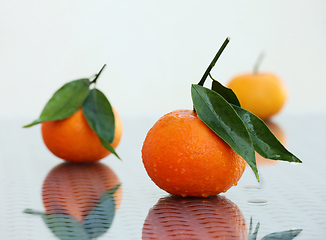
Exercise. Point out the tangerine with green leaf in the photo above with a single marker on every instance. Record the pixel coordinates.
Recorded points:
(185, 157)
(203, 152)
(79, 123)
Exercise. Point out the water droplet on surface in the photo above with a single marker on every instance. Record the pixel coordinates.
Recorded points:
(168, 179)
(257, 202)
(179, 160)
(253, 187)
(184, 195)
(205, 195)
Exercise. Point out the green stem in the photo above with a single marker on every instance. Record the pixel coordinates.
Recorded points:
(97, 75)
(258, 62)
(218, 54)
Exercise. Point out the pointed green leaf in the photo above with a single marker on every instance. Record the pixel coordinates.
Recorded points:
(225, 92)
(220, 116)
(108, 146)
(99, 220)
(98, 112)
(64, 102)
(265, 143)
(63, 226)
(285, 235)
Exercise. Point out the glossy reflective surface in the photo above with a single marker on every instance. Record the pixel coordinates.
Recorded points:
(43, 198)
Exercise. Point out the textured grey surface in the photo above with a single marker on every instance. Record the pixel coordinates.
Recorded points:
(290, 196)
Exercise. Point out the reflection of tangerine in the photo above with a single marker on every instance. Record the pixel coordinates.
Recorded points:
(195, 218)
(74, 189)
(263, 94)
(280, 135)
(185, 157)
(72, 139)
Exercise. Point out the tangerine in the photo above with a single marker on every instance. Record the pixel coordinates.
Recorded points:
(263, 94)
(74, 189)
(185, 157)
(195, 218)
(73, 140)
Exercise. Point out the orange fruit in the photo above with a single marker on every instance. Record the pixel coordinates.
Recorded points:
(185, 157)
(72, 139)
(263, 94)
(74, 189)
(280, 135)
(195, 218)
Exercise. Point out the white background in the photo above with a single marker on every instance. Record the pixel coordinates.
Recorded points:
(155, 50)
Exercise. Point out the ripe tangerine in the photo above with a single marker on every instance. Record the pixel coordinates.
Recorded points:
(263, 94)
(185, 157)
(73, 140)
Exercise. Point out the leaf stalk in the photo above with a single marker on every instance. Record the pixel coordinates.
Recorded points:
(212, 64)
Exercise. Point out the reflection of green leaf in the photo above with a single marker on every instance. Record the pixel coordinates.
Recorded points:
(255, 233)
(99, 114)
(285, 235)
(64, 227)
(220, 116)
(99, 220)
(65, 101)
(265, 143)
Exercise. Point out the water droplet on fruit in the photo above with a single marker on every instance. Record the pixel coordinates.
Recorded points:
(205, 195)
(178, 160)
(168, 179)
(184, 195)
(192, 157)
(183, 170)
(154, 164)
(176, 170)
(155, 170)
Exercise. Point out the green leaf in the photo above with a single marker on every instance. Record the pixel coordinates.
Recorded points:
(98, 112)
(65, 101)
(285, 235)
(108, 146)
(265, 143)
(225, 92)
(63, 226)
(99, 220)
(220, 116)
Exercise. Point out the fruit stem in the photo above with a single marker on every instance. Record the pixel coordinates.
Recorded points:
(97, 75)
(212, 64)
(258, 62)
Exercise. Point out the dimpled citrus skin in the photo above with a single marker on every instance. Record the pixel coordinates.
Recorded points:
(263, 94)
(73, 140)
(185, 157)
